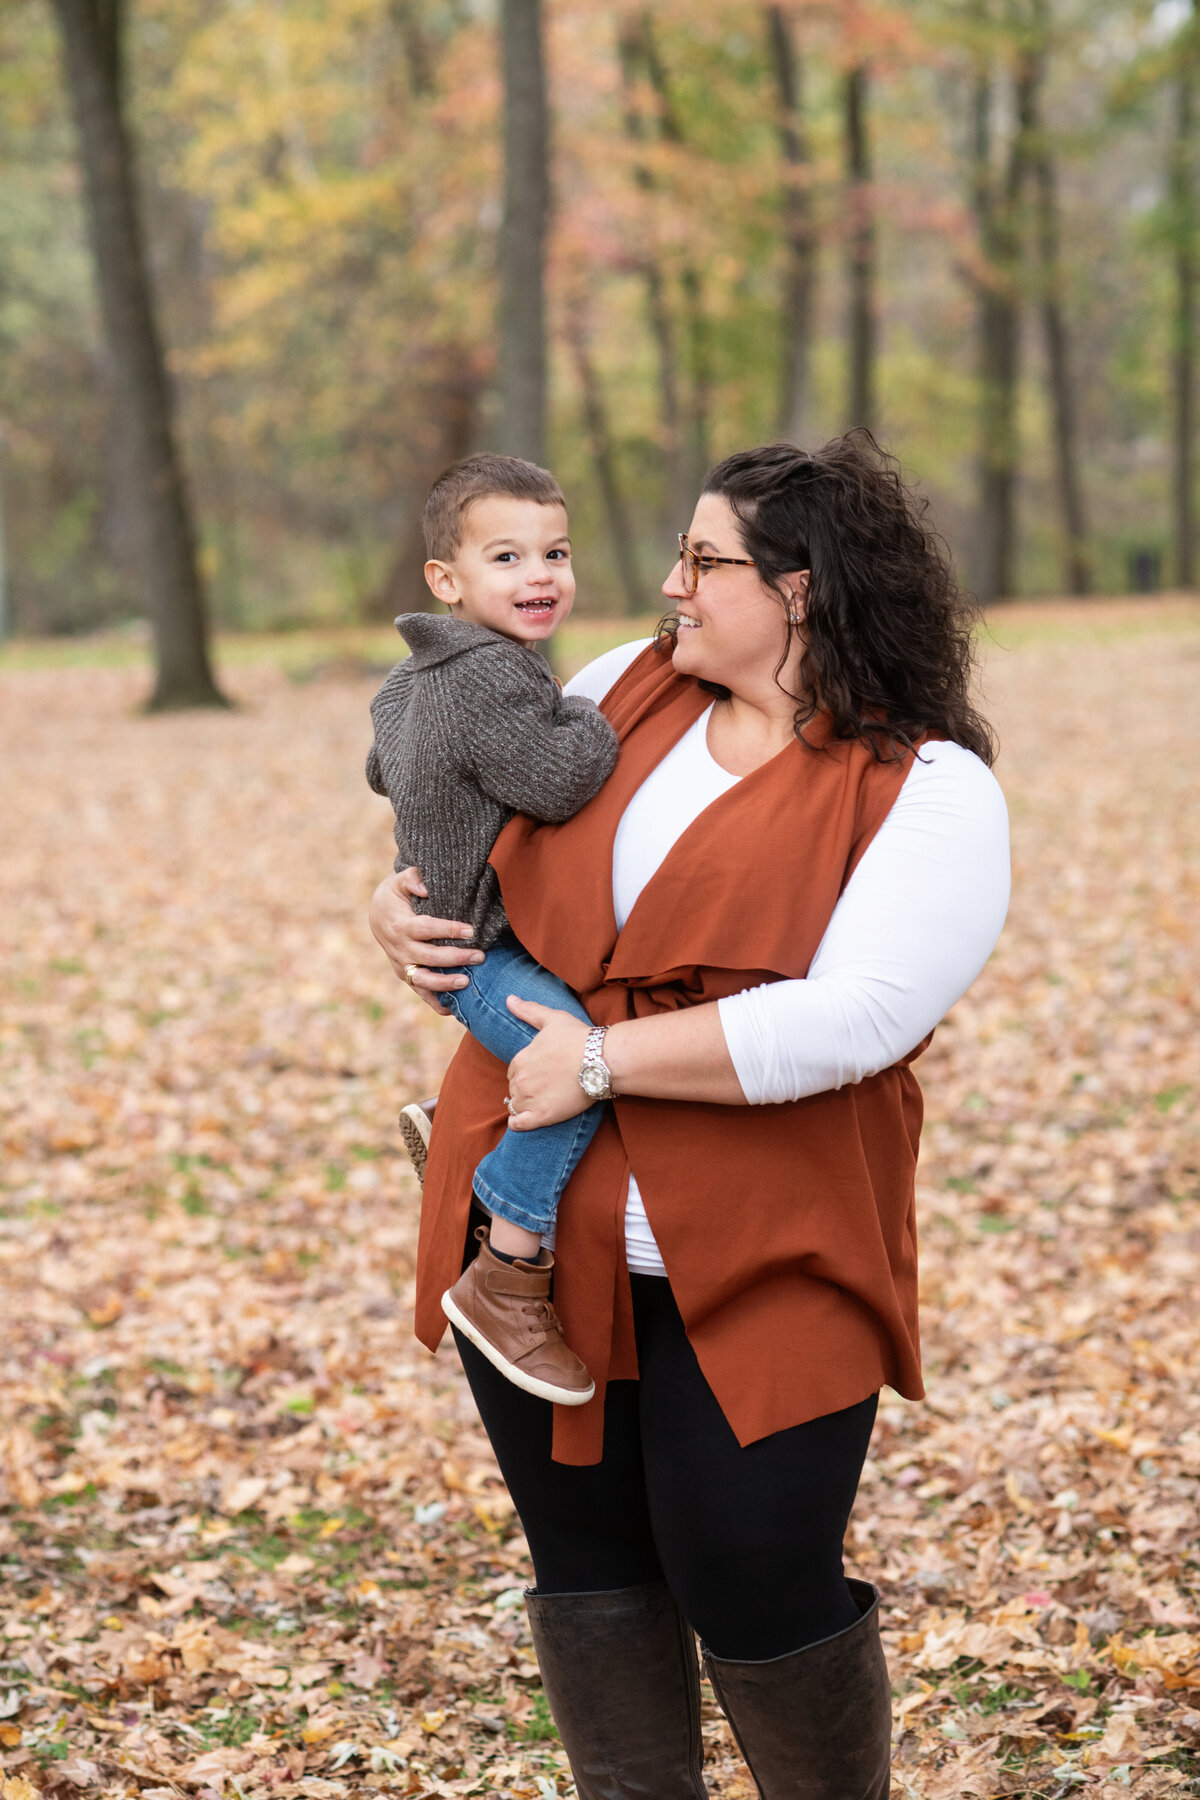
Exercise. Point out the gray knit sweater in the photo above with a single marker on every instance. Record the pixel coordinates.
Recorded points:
(471, 729)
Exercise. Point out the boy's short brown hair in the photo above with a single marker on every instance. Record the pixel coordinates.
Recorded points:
(477, 478)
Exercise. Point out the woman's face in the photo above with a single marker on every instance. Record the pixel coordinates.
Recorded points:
(732, 629)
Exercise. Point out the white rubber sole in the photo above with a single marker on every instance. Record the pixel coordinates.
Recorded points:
(415, 1128)
(545, 1390)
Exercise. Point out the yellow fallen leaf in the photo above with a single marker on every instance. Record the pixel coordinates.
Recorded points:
(317, 1734)
(329, 1527)
(243, 1494)
(295, 1564)
(432, 1722)
(911, 1702)
(108, 1312)
(15, 1787)
(10, 1736)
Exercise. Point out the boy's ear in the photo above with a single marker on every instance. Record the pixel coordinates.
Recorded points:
(441, 583)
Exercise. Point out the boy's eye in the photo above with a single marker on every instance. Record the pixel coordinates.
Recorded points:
(560, 555)
(506, 555)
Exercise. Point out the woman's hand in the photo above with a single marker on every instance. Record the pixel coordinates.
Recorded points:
(405, 937)
(543, 1079)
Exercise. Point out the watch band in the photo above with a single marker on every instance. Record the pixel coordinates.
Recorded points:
(594, 1064)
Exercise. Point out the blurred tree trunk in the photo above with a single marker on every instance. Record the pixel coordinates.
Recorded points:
(676, 496)
(1184, 225)
(997, 198)
(451, 406)
(156, 499)
(523, 382)
(800, 239)
(417, 54)
(860, 267)
(598, 427)
(697, 424)
(1054, 323)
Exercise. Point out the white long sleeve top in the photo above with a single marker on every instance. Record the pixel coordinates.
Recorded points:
(916, 923)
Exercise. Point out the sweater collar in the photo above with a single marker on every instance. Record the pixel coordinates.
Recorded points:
(434, 639)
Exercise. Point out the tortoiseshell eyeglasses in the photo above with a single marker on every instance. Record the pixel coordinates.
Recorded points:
(694, 565)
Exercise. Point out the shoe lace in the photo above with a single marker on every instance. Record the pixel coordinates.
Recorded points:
(544, 1314)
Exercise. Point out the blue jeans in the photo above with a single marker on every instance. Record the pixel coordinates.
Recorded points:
(523, 1177)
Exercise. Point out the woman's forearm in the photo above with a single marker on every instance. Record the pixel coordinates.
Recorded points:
(674, 1056)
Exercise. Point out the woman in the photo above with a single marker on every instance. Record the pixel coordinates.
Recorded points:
(799, 863)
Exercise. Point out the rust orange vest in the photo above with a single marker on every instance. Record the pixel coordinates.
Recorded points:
(787, 1231)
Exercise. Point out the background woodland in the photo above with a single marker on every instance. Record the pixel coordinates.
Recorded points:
(969, 224)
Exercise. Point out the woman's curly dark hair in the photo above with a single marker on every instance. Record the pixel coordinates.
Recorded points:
(888, 635)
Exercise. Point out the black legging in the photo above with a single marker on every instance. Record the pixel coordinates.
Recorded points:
(749, 1540)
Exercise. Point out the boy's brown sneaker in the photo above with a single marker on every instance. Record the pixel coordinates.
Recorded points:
(416, 1124)
(504, 1308)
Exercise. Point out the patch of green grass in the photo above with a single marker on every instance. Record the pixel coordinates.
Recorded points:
(993, 1700)
(194, 1202)
(230, 1726)
(1080, 1680)
(961, 1184)
(540, 1729)
(52, 1750)
(1170, 1097)
(63, 1502)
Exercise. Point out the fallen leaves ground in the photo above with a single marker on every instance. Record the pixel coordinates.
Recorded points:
(252, 1539)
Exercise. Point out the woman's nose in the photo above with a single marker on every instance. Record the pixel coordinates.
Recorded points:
(674, 587)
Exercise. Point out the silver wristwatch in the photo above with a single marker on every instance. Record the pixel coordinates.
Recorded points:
(595, 1076)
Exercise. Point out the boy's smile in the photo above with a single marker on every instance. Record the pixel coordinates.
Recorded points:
(512, 568)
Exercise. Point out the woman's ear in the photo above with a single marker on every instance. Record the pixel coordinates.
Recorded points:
(441, 583)
(797, 592)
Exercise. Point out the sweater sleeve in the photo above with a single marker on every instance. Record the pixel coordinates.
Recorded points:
(528, 746)
(918, 920)
(387, 711)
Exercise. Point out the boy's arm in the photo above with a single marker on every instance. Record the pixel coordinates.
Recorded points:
(387, 711)
(529, 747)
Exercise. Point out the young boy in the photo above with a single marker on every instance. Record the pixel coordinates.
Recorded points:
(469, 730)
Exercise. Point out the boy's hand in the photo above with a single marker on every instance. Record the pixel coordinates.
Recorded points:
(405, 937)
(543, 1079)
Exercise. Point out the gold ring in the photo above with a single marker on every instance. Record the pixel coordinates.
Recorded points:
(410, 970)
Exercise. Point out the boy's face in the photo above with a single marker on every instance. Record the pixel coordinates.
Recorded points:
(512, 569)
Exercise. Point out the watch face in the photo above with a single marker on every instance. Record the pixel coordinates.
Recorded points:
(593, 1082)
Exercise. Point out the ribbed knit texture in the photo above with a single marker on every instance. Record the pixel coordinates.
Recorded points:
(471, 729)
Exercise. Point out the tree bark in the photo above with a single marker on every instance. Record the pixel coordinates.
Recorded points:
(676, 496)
(800, 239)
(523, 376)
(1184, 219)
(156, 501)
(600, 442)
(860, 265)
(452, 406)
(696, 335)
(997, 203)
(1054, 325)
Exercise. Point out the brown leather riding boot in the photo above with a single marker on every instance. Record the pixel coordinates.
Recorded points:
(619, 1670)
(817, 1724)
